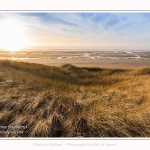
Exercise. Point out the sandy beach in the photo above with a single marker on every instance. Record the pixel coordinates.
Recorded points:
(103, 59)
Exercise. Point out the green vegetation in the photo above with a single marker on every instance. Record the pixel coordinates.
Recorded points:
(68, 101)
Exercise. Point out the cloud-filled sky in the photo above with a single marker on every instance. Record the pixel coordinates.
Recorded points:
(78, 29)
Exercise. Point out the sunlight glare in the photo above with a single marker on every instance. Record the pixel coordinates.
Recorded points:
(12, 35)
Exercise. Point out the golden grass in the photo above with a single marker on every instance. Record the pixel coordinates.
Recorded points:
(68, 101)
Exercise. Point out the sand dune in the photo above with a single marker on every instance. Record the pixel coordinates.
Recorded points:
(48, 101)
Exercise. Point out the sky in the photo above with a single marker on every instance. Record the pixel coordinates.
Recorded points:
(74, 29)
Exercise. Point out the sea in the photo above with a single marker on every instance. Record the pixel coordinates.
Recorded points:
(77, 52)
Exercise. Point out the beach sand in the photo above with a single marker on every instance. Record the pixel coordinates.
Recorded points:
(103, 59)
(94, 63)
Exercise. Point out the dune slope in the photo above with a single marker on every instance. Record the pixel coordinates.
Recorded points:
(68, 101)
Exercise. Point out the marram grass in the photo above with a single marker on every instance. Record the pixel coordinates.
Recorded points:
(68, 101)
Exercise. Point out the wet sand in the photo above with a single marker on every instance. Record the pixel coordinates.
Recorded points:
(104, 59)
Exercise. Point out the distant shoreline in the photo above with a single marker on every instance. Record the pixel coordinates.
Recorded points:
(84, 48)
(102, 59)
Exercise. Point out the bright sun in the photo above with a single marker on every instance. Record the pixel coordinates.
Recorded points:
(12, 35)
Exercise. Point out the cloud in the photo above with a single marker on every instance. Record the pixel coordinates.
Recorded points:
(85, 28)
